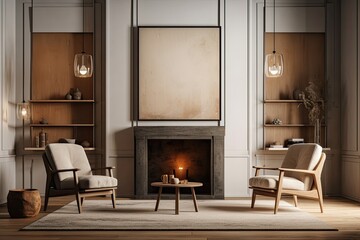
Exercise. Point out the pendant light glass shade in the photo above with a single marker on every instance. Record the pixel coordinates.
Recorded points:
(274, 65)
(23, 111)
(83, 62)
(274, 62)
(83, 65)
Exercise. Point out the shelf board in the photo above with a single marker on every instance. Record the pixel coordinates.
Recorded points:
(282, 101)
(62, 101)
(277, 149)
(287, 125)
(281, 151)
(42, 149)
(62, 125)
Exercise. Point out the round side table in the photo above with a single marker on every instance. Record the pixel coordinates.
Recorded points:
(177, 187)
(22, 203)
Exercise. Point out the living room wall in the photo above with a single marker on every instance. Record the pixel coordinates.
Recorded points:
(8, 88)
(241, 80)
(238, 81)
(122, 18)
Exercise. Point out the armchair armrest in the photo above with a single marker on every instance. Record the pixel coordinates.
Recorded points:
(94, 169)
(65, 170)
(258, 168)
(105, 168)
(297, 170)
(73, 170)
(265, 168)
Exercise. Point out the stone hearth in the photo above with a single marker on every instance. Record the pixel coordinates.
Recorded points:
(184, 136)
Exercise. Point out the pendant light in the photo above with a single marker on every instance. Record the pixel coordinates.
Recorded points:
(83, 62)
(23, 110)
(274, 62)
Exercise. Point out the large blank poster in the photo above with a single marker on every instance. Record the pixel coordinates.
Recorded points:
(179, 73)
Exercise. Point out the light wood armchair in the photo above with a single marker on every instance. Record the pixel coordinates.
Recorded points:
(69, 173)
(299, 175)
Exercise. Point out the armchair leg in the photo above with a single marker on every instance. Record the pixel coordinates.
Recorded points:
(278, 192)
(113, 198)
(277, 201)
(253, 199)
(295, 200)
(47, 192)
(319, 192)
(82, 201)
(78, 201)
(46, 200)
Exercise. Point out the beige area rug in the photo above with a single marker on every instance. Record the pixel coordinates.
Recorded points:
(212, 215)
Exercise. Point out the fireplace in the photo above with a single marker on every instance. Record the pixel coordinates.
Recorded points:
(192, 153)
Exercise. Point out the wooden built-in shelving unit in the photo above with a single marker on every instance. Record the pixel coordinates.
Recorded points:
(52, 78)
(304, 60)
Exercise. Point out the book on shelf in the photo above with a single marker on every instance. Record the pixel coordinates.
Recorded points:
(296, 139)
(276, 148)
(292, 141)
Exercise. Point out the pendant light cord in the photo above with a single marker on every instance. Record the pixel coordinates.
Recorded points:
(274, 30)
(83, 47)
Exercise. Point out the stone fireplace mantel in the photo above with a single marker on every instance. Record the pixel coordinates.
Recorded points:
(214, 133)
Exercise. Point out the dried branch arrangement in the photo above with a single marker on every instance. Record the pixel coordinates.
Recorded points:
(313, 102)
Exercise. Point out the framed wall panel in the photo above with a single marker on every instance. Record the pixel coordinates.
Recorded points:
(179, 73)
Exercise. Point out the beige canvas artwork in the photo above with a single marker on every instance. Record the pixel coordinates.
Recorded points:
(179, 73)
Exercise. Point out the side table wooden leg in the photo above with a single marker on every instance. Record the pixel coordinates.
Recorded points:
(177, 200)
(158, 199)
(194, 199)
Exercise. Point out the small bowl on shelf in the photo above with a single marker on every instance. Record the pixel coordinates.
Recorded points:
(70, 140)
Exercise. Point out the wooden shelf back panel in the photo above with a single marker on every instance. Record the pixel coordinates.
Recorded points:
(304, 60)
(85, 133)
(53, 65)
(54, 134)
(280, 134)
(62, 113)
(288, 113)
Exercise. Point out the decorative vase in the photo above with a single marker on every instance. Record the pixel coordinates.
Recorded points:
(77, 94)
(23, 203)
(68, 96)
(317, 130)
(42, 138)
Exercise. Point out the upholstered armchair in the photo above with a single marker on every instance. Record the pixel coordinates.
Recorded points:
(69, 172)
(299, 175)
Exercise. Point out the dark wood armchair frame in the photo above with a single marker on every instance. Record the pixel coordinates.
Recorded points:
(315, 191)
(80, 194)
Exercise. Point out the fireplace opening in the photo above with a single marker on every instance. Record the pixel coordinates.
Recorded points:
(188, 159)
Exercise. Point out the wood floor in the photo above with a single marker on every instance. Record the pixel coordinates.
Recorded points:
(340, 213)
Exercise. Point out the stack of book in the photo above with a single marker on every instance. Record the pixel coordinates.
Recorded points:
(276, 147)
(292, 141)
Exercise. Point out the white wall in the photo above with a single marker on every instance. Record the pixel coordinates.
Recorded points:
(240, 80)
(7, 96)
(232, 17)
(350, 104)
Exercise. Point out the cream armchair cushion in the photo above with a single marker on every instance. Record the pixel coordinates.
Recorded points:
(271, 181)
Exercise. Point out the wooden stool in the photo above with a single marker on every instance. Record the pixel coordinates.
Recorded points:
(23, 203)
